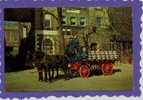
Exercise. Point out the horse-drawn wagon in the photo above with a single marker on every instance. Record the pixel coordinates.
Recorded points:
(83, 60)
(101, 61)
(77, 60)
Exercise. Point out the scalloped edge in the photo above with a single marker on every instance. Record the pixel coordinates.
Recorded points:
(88, 95)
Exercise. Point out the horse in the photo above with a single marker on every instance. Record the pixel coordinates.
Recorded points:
(38, 62)
(49, 63)
(55, 63)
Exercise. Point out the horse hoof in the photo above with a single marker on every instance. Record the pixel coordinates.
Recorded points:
(67, 78)
(50, 81)
(45, 80)
(40, 80)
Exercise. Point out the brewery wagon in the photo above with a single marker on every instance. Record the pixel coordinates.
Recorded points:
(102, 61)
(84, 61)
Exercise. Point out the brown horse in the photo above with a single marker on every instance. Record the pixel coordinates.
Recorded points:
(49, 63)
(38, 62)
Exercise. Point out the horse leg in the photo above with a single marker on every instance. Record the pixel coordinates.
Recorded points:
(52, 73)
(45, 73)
(49, 73)
(65, 71)
(57, 70)
(40, 74)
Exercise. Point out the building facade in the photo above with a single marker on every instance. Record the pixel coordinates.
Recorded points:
(82, 21)
(14, 33)
(47, 36)
(74, 22)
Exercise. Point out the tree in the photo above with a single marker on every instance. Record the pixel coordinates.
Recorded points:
(121, 20)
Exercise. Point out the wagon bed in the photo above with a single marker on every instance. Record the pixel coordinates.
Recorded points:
(101, 60)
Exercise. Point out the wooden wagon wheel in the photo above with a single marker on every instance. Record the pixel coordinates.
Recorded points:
(107, 68)
(75, 66)
(84, 71)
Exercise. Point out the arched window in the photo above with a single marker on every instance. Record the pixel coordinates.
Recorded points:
(48, 46)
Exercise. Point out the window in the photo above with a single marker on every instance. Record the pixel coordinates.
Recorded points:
(98, 21)
(7, 35)
(67, 31)
(15, 36)
(24, 32)
(82, 21)
(64, 20)
(73, 20)
(48, 46)
(47, 24)
(39, 38)
(47, 21)
(12, 36)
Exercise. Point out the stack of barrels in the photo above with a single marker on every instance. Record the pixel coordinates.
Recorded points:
(102, 55)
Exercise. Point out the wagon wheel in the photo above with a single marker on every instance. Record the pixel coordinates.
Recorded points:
(75, 66)
(107, 68)
(84, 71)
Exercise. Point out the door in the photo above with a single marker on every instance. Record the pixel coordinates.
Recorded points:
(47, 46)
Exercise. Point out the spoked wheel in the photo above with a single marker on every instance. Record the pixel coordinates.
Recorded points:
(107, 68)
(84, 71)
(74, 68)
